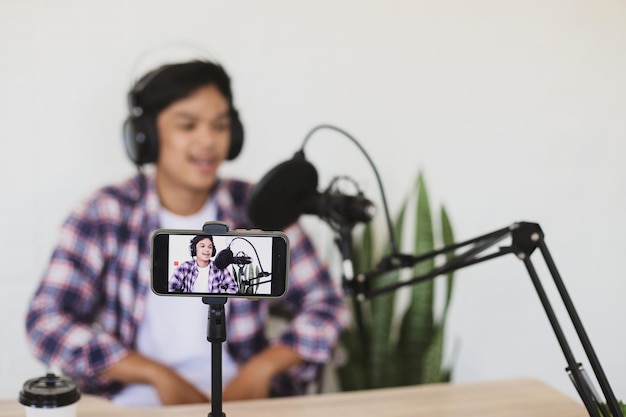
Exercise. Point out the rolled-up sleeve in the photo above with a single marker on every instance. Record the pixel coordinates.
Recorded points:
(62, 326)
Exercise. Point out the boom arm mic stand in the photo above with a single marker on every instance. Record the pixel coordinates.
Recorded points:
(525, 238)
(262, 274)
(281, 197)
(343, 240)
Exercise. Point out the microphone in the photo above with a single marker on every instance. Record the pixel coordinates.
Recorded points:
(290, 189)
(340, 207)
(225, 257)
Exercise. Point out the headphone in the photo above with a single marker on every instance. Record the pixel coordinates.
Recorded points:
(194, 242)
(141, 138)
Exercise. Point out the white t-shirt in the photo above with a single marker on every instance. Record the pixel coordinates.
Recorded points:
(173, 331)
(202, 281)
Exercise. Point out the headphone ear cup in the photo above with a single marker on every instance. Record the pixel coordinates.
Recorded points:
(192, 249)
(214, 251)
(140, 140)
(236, 135)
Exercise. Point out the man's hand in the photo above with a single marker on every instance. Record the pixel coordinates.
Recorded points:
(254, 378)
(171, 387)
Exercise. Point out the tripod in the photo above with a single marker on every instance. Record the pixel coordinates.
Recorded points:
(216, 333)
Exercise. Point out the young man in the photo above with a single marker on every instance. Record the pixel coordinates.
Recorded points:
(94, 316)
(200, 274)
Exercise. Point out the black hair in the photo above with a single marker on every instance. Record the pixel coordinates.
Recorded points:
(172, 82)
(198, 238)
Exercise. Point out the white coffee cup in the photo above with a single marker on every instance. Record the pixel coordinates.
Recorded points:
(50, 396)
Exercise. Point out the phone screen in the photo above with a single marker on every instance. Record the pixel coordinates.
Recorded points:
(231, 264)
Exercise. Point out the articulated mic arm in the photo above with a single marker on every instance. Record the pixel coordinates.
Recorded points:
(525, 238)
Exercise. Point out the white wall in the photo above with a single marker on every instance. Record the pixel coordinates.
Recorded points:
(513, 110)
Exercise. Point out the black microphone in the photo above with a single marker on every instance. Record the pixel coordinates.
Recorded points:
(290, 189)
(225, 257)
(340, 207)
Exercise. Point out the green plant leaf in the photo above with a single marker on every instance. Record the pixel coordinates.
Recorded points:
(433, 357)
(432, 371)
(352, 374)
(411, 351)
(384, 363)
(417, 326)
(448, 239)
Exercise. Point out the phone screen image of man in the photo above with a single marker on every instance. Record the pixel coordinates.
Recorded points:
(199, 273)
(220, 264)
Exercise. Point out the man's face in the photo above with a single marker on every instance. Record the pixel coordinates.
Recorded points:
(194, 137)
(204, 250)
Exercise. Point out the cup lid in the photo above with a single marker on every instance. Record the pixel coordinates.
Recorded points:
(49, 391)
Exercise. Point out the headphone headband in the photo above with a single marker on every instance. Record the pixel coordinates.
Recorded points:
(194, 242)
(140, 133)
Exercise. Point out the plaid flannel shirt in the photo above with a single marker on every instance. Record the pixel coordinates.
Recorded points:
(221, 280)
(84, 315)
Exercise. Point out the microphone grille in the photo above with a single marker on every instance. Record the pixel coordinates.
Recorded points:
(224, 258)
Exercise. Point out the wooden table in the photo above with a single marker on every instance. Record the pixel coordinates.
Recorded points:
(508, 398)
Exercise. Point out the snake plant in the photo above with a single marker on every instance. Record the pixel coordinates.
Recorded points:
(404, 345)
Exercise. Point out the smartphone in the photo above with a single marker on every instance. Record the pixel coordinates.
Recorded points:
(237, 263)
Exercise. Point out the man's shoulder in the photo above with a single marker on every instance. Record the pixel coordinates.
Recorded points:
(128, 190)
(236, 186)
(185, 267)
(114, 199)
(233, 193)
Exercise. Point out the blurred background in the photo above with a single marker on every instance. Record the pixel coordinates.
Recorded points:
(513, 111)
